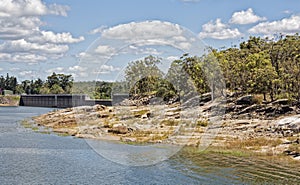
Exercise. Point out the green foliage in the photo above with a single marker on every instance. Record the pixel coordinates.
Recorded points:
(59, 83)
(95, 90)
(202, 123)
(44, 90)
(142, 75)
(8, 83)
(263, 66)
(56, 84)
(56, 89)
(103, 90)
(194, 68)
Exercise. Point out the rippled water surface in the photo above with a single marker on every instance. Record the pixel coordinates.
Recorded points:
(27, 157)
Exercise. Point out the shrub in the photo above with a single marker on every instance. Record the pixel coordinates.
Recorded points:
(202, 123)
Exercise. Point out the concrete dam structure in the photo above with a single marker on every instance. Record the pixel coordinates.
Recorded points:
(60, 100)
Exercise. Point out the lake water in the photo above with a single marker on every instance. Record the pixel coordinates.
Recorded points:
(28, 157)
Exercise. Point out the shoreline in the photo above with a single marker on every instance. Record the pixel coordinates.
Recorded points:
(8, 105)
(192, 149)
(138, 125)
(9, 100)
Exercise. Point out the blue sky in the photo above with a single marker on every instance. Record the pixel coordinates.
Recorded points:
(40, 37)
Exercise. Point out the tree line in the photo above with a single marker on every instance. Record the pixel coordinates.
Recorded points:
(270, 67)
(55, 84)
(263, 66)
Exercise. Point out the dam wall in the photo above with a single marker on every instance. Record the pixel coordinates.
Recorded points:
(60, 100)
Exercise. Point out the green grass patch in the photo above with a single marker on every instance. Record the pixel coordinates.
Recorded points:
(202, 123)
(139, 113)
(35, 128)
(63, 134)
(26, 124)
(190, 151)
(235, 153)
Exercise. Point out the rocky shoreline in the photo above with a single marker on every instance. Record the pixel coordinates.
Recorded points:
(263, 128)
(10, 100)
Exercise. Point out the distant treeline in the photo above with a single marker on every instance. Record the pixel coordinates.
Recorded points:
(55, 84)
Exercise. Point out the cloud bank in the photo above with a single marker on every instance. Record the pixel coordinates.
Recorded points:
(22, 38)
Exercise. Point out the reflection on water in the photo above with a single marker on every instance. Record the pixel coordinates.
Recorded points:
(133, 155)
(27, 157)
(231, 169)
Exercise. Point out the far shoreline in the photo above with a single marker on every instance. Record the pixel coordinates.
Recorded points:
(8, 105)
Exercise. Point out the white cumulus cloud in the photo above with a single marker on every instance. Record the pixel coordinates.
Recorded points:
(77, 68)
(25, 46)
(105, 50)
(18, 8)
(22, 38)
(172, 58)
(18, 27)
(27, 74)
(148, 33)
(106, 69)
(289, 25)
(58, 9)
(143, 30)
(24, 51)
(246, 17)
(58, 38)
(218, 30)
(56, 70)
(98, 30)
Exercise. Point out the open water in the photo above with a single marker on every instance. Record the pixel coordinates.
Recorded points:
(29, 157)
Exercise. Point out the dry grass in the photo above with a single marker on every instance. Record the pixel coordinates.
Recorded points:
(170, 122)
(254, 143)
(295, 148)
(140, 133)
(258, 98)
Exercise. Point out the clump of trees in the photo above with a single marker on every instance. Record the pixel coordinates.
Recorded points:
(94, 89)
(143, 78)
(270, 67)
(8, 83)
(55, 84)
(187, 77)
(264, 66)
